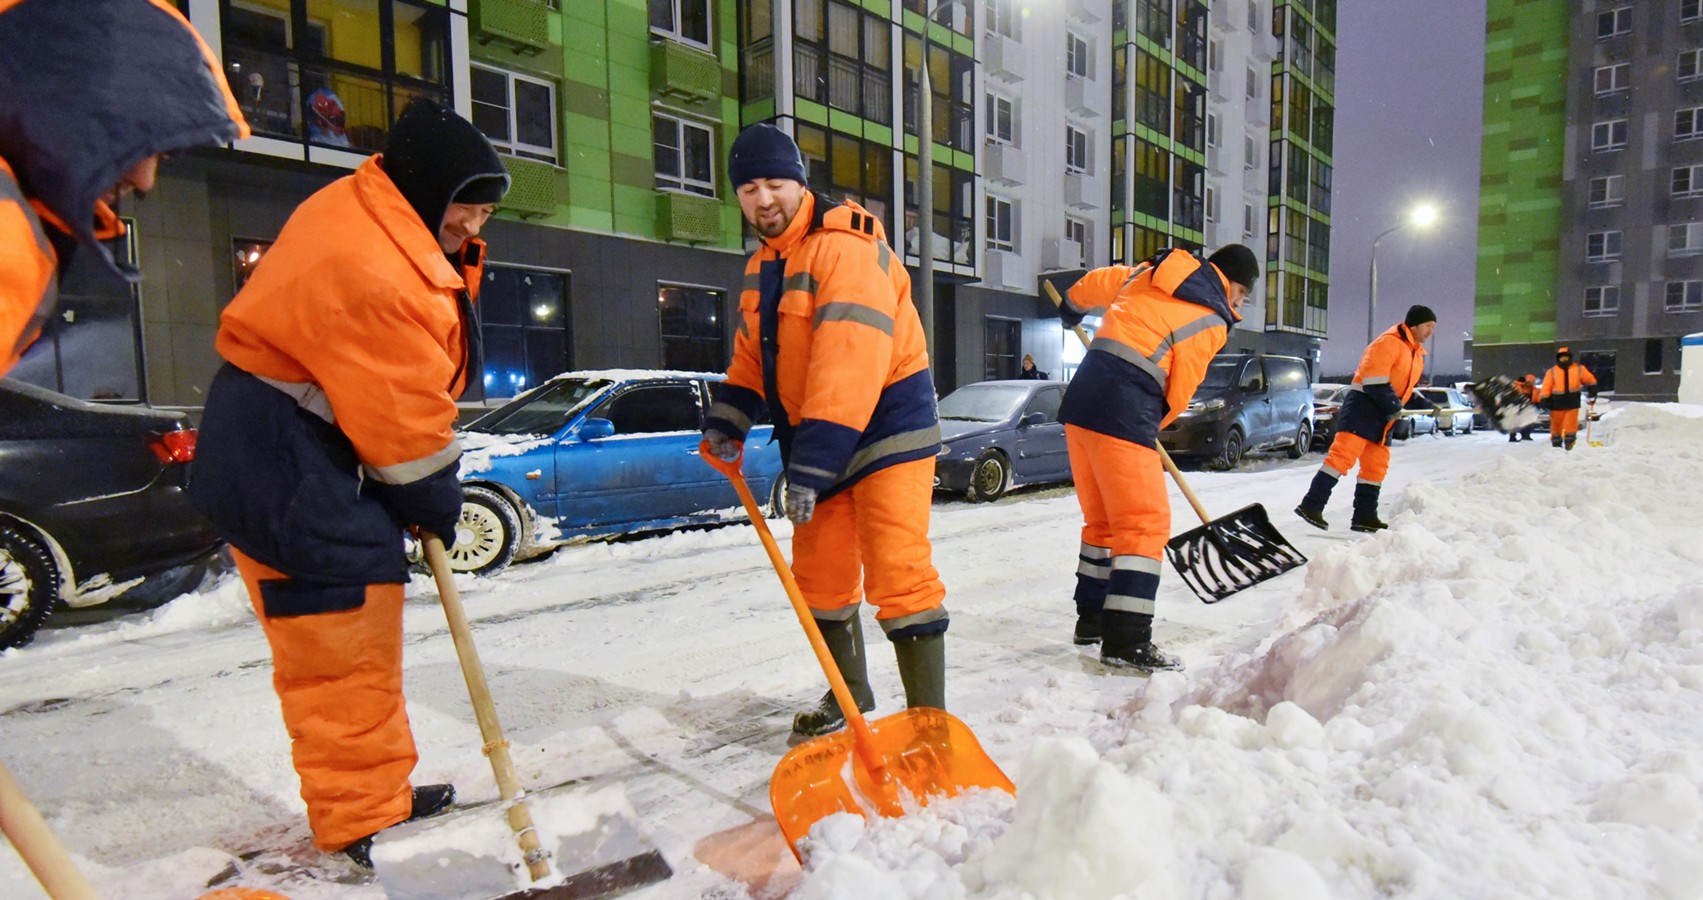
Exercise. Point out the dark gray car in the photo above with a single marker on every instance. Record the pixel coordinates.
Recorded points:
(996, 435)
(1245, 403)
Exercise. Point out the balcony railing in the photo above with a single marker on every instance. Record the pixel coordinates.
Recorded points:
(321, 103)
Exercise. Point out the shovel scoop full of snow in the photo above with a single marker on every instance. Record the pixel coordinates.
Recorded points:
(1506, 408)
(917, 755)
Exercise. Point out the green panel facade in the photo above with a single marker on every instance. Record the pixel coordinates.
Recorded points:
(1519, 222)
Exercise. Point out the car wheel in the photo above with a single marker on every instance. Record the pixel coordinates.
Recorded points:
(29, 585)
(487, 535)
(777, 498)
(1303, 440)
(1402, 430)
(1467, 428)
(988, 479)
(1231, 456)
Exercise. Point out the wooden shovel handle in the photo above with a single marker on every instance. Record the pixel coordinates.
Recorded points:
(1164, 457)
(497, 748)
(35, 843)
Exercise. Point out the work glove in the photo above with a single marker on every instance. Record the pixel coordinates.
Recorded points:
(725, 448)
(800, 503)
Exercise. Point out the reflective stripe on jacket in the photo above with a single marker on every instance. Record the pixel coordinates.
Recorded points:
(1389, 371)
(1164, 322)
(828, 334)
(1562, 385)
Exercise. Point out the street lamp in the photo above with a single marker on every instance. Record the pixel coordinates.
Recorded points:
(1422, 216)
(924, 294)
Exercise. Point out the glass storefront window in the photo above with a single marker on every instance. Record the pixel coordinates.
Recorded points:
(523, 329)
(694, 338)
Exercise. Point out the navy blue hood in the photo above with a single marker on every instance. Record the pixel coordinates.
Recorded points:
(92, 87)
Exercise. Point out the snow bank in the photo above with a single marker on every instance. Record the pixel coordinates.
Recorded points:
(1502, 695)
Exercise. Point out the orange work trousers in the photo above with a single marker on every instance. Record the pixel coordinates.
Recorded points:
(871, 542)
(1121, 487)
(339, 680)
(1563, 424)
(1373, 456)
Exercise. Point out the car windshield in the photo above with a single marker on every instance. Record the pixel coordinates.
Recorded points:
(1325, 393)
(1437, 396)
(1222, 373)
(983, 402)
(540, 411)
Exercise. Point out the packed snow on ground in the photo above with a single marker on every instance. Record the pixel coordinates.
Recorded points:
(1502, 695)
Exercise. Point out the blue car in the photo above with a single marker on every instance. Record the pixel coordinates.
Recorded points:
(593, 454)
(997, 435)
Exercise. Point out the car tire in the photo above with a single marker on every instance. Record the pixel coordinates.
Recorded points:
(487, 535)
(29, 585)
(990, 477)
(1303, 440)
(1402, 430)
(1231, 456)
(777, 498)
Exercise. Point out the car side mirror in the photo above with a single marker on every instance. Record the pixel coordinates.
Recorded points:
(1034, 418)
(592, 429)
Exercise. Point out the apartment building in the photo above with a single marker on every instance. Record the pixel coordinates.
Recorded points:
(1591, 203)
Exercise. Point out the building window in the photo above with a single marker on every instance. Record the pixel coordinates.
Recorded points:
(90, 348)
(1690, 65)
(1076, 56)
(1602, 301)
(245, 258)
(1613, 79)
(1215, 56)
(1211, 204)
(1253, 87)
(1211, 129)
(334, 74)
(1004, 17)
(516, 112)
(1653, 356)
(686, 20)
(1250, 219)
(1001, 347)
(685, 154)
(1684, 296)
(861, 171)
(1690, 10)
(1076, 230)
(523, 324)
(1688, 182)
(1688, 124)
(1609, 190)
(1075, 149)
(1610, 135)
(846, 62)
(690, 319)
(1000, 231)
(1602, 246)
(1685, 240)
(999, 119)
(1250, 152)
(1254, 16)
(1613, 22)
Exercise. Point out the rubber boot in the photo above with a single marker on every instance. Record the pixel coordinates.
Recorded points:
(1312, 508)
(845, 643)
(1090, 599)
(1366, 508)
(922, 668)
(1128, 643)
(1567, 442)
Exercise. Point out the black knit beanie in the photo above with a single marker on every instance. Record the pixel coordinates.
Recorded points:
(764, 151)
(436, 157)
(1419, 315)
(1238, 263)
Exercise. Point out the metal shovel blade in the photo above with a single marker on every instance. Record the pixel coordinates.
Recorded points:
(470, 853)
(924, 753)
(1232, 553)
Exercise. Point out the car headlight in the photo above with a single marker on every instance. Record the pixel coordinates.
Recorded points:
(1213, 405)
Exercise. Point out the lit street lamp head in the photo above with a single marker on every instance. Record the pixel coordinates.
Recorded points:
(1424, 215)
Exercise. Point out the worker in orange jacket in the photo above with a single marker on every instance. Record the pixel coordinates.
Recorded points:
(1562, 385)
(330, 429)
(830, 344)
(92, 95)
(1164, 322)
(1389, 371)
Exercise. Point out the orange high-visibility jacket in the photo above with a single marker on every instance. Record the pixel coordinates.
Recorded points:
(1562, 385)
(88, 90)
(1389, 371)
(1164, 322)
(828, 333)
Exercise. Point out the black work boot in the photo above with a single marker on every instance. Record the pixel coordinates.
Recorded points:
(427, 800)
(1312, 508)
(1087, 629)
(845, 644)
(1366, 508)
(1555, 441)
(1128, 643)
(1313, 517)
(1567, 442)
(922, 669)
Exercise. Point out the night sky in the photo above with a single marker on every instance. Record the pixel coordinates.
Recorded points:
(1409, 108)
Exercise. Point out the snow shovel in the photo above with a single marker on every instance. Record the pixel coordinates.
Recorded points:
(443, 858)
(24, 827)
(1590, 416)
(878, 767)
(1224, 555)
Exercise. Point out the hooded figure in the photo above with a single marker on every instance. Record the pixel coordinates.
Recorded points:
(330, 429)
(92, 93)
(1562, 386)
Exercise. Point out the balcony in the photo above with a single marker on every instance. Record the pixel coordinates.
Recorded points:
(1060, 253)
(685, 74)
(532, 187)
(1080, 11)
(1080, 96)
(346, 107)
(1004, 163)
(688, 217)
(1003, 57)
(1079, 191)
(523, 25)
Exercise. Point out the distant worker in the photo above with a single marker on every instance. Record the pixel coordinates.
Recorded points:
(1389, 371)
(1562, 385)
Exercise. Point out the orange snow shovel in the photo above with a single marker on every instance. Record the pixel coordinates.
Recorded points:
(880, 767)
(1223, 555)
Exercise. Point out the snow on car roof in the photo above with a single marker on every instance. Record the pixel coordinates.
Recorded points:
(634, 374)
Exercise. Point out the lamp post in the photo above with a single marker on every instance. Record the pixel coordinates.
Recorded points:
(1422, 216)
(923, 295)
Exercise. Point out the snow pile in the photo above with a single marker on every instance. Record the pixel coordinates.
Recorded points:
(1502, 695)
(479, 448)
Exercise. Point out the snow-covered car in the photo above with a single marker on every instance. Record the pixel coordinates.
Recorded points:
(594, 454)
(1454, 411)
(91, 503)
(1327, 402)
(1417, 417)
(996, 435)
